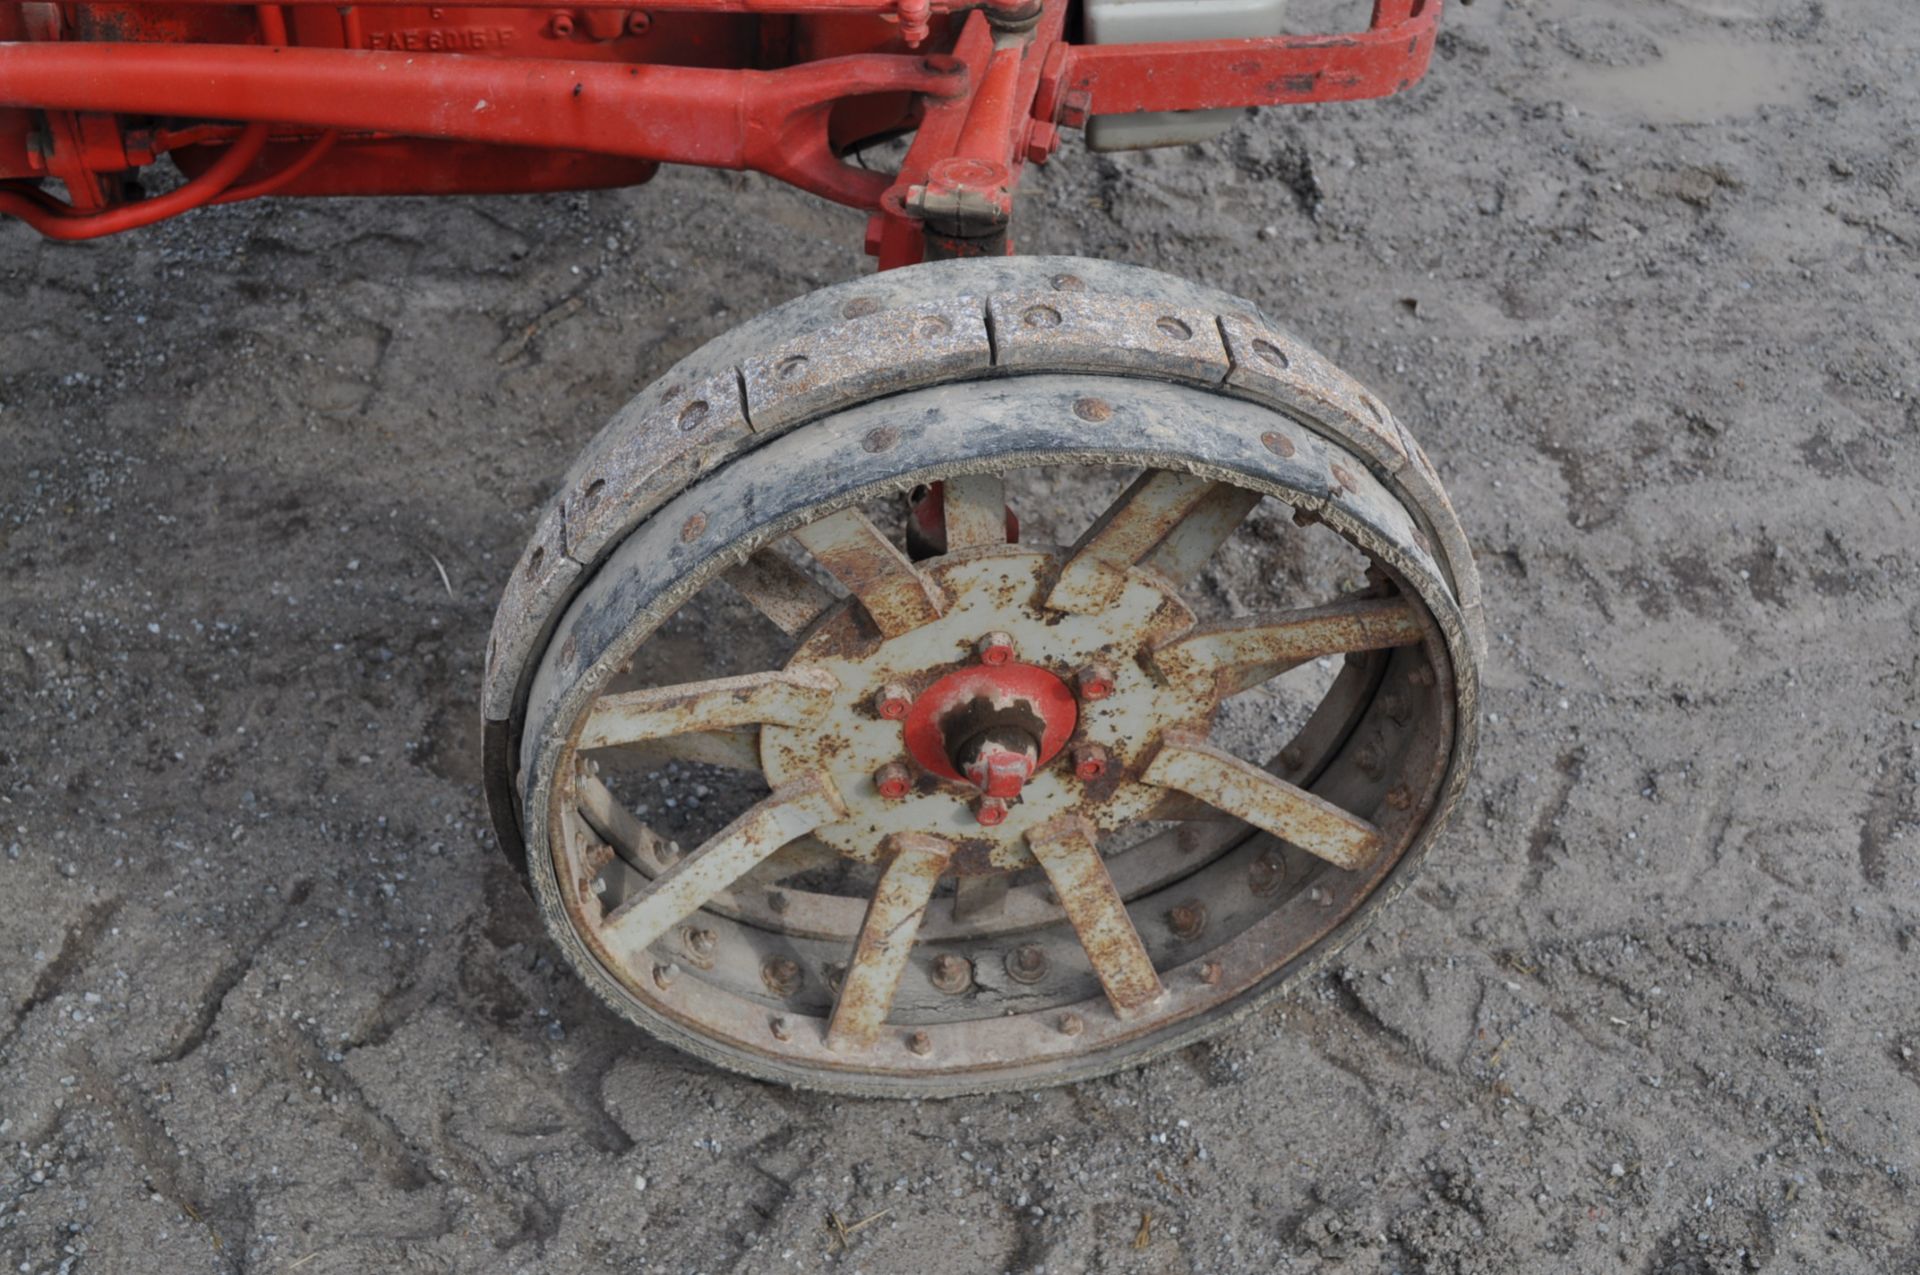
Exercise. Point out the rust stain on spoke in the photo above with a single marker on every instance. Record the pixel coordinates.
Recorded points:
(1065, 849)
(779, 590)
(1144, 514)
(1240, 654)
(791, 811)
(851, 548)
(798, 696)
(1189, 764)
(915, 863)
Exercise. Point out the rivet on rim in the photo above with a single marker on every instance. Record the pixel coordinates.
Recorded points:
(1188, 919)
(1210, 972)
(699, 945)
(663, 975)
(1267, 873)
(920, 1044)
(781, 1029)
(1071, 1024)
(1398, 797)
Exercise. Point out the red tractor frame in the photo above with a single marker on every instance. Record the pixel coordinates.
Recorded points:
(387, 98)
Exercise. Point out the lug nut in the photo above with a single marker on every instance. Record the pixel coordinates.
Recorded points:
(1026, 964)
(1187, 919)
(990, 811)
(893, 701)
(1089, 762)
(893, 780)
(995, 648)
(920, 1044)
(781, 974)
(952, 974)
(1093, 682)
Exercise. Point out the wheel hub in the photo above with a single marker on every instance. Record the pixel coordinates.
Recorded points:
(990, 749)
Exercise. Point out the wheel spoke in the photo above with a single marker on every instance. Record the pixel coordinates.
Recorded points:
(1124, 534)
(1066, 851)
(793, 810)
(975, 508)
(779, 590)
(798, 696)
(1195, 538)
(1187, 763)
(886, 938)
(853, 551)
(1237, 655)
(619, 827)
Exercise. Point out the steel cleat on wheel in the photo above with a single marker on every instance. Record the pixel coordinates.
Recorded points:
(981, 691)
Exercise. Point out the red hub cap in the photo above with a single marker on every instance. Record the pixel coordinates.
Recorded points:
(991, 726)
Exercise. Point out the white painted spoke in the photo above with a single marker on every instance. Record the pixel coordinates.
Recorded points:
(1096, 572)
(1066, 851)
(779, 590)
(1184, 552)
(975, 509)
(1187, 763)
(851, 548)
(1237, 655)
(797, 696)
(886, 938)
(791, 811)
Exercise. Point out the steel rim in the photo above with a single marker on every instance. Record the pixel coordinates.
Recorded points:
(748, 975)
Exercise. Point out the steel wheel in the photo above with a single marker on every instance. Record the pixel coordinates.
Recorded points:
(998, 817)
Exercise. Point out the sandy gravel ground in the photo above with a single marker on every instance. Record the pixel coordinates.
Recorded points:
(1641, 274)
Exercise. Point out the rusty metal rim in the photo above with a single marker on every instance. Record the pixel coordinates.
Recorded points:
(1331, 510)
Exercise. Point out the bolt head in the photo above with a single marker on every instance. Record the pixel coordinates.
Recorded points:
(893, 701)
(920, 1044)
(1089, 762)
(995, 649)
(893, 780)
(781, 974)
(990, 811)
(1027, 964)
(952, 974)
(1094, 682)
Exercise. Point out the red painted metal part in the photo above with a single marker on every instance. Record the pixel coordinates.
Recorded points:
(1005, 683)
(497, 95)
